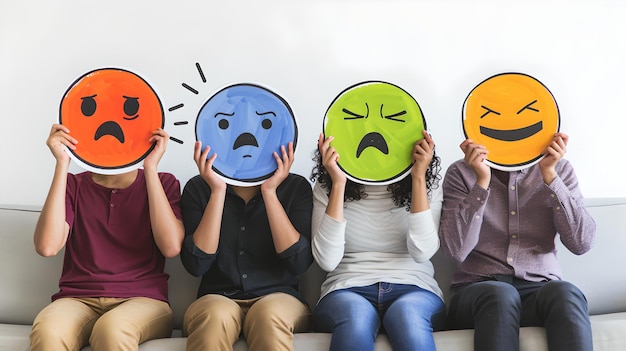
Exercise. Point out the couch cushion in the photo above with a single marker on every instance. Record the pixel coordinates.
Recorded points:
(33, 278)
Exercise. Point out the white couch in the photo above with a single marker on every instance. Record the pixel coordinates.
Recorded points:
(28, 280)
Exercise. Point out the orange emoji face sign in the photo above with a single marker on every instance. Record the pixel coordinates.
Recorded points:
(514, 116)
(112, 113)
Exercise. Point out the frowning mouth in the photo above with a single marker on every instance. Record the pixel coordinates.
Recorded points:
(110, 128)
(375, 140)
(245, 139)
(512, 134)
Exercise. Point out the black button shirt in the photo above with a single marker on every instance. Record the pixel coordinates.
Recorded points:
(246, 264)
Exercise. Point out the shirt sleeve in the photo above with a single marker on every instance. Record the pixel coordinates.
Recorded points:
(423, 239)
(328, 241)
(462, 213)
(298, 257)
(572, 221)
(171, 186)
(70, 199)
(193, 201)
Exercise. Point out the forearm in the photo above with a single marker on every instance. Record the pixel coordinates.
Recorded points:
(576, 227)
(196, 262)
(423, 238)
(419, 195)
(284, 234)
(461, 221)
(51, 231)
(334, 207)
(168, 230)
(207, 234)
(328, 234)
(328, 243)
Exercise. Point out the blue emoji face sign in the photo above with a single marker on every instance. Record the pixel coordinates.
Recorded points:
(245, 124)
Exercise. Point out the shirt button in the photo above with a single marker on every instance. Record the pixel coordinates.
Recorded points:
(241, 253)
(512, 187)
(243, 228)
(244, 276)
(112, 205)
(558, 208)
(513, 213)
(510, 259)
(552, 195)
(114, 191)
(477, 217)
(513, 236)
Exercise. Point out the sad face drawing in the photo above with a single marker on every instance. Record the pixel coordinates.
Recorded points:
(245, 124)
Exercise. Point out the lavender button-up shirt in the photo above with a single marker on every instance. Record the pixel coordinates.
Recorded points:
(512, 228)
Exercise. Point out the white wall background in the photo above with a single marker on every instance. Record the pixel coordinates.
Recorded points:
(309, 51)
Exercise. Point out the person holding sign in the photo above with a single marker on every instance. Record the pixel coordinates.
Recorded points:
(375, 220)
(117, 222)
(503, 211)
(247, 225)
(117, 230)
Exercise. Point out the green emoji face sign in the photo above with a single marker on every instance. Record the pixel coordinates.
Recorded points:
(375, 125)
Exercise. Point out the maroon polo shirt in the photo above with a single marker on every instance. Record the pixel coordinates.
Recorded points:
(110, 251)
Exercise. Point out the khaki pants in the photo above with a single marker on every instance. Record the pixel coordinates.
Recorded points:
(214, 322)
(107, 324)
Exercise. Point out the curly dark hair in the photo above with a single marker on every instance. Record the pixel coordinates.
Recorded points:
(400, 191)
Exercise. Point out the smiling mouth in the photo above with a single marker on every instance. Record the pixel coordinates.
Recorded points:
(512, 134)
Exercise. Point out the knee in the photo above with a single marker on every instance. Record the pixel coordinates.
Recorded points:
(106, 329)
(211, 311)
(346, 309)
(489, 300)
(561, 290)
(279, 310)
(498, 295)
(562, 294)
(42, 334)
(420, 307)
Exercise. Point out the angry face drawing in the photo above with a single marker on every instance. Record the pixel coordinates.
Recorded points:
(112, 113)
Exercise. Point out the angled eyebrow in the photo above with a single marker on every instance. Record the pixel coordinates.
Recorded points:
(224, 114)
(488, 111)
(129, 97)
(89, 97)
(356, 115)
(265, 113)
(528, 107)
(394, 116)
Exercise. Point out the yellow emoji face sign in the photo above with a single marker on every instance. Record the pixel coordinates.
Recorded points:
(514, 116)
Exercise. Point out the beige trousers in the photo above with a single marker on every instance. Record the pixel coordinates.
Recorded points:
(107, 324)
(214, 322)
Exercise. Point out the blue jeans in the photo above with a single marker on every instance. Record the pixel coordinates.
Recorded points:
(497, 309)
(408, 315)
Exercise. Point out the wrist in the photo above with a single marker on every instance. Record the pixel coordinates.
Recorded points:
(268, 193)
(339, 182)
(483, 182)
(63, 164)
(548, 176)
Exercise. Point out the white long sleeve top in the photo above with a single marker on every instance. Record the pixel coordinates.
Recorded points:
(376, 242)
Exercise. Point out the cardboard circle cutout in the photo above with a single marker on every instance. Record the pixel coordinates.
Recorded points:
(245, 124)
(375, 125)
(112, 113)
(514, 116)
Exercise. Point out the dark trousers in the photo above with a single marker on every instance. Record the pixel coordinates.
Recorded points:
(497, 309)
